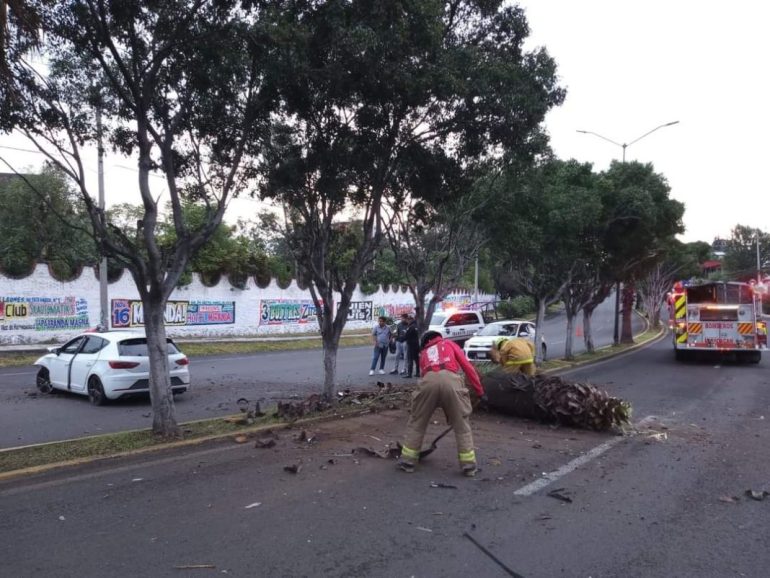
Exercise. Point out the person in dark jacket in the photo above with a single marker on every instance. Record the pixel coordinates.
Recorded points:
(412, 348)
(401, 343)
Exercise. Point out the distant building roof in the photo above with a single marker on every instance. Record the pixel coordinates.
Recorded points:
(711, 265)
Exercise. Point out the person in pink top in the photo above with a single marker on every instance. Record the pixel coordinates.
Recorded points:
(442, 364)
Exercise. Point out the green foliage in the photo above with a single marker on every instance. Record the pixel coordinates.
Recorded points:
(637, 219)
(519, 307)
(740, 260)
(42, 220)
(541, 225)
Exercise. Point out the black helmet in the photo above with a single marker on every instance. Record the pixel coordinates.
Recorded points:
(428, 337)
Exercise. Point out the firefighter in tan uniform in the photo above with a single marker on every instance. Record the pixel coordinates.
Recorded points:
(515, 355)
(442, 386)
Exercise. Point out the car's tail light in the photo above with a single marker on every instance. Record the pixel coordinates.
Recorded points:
(123, 364)
(183, 361)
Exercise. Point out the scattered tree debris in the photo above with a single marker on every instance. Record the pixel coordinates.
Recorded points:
(294, 410)
(241, 439)
(423, 529)
(557, 493)
(492, 557)
(293, 468)
(194, 566)
(757, 495)
(264, 443)
(254, 505)
(387, 453)
(552, 398)
(442, 485)
(729, 499)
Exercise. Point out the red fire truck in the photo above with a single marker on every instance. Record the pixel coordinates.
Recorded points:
(723, 317)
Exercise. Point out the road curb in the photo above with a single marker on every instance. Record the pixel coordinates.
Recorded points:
(636, 346)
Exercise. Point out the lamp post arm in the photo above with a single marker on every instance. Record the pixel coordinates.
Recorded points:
(652, 131)
(601, 137)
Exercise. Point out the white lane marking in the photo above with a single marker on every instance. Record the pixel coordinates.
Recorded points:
(10, 374)
(570, 467)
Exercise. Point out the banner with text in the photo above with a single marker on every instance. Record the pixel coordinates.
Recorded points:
(43, 313)
(130, 313)
(287, 312)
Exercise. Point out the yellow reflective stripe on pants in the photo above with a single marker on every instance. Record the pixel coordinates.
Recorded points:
(530, 360)
(466, 457)
(408, 452)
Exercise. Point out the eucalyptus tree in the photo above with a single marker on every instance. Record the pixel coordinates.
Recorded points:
(679, 261)
(367, 88)
(638, 219)
(433, 247)
(181, 88)
(540, 229)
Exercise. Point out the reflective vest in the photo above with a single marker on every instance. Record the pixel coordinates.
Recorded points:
(438, 356)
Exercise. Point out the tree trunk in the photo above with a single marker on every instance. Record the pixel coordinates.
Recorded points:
(568, 342)
(331, 326)
(163, 415)
(540, 303)
(330, 367)
(588, 336)
(628, 295)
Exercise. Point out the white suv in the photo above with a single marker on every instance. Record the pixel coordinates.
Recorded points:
(456, 325)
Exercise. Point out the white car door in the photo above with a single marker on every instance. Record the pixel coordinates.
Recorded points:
(84, 362)
(59, 366)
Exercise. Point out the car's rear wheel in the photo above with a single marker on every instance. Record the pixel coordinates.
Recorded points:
(44, 381)
(96, 391)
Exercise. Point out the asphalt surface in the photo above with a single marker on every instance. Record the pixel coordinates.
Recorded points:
(218, 382)
(668, 501)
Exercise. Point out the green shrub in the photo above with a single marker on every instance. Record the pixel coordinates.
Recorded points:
(521, 306)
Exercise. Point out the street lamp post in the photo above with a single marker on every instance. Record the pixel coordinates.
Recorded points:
(624, 146)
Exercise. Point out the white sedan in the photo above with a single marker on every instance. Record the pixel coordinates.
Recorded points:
(477, 347)
(107, 365)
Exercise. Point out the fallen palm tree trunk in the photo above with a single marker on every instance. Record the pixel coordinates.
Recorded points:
(551, 398)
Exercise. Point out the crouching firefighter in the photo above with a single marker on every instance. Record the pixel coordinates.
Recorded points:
(514, 355)
(442, 385)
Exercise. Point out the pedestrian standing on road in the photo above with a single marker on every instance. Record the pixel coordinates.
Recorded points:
(401, 343)
(380, 340)
(412, 340)
(442, 385)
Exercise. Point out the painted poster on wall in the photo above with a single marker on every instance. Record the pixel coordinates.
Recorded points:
(130, 313)
(394, 311)
(210, 312)
(287, 312)
(360, 311)
(43, 313)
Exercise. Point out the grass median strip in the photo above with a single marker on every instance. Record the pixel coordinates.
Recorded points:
(117, 443)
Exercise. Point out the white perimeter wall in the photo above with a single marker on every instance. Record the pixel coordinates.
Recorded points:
(41, 309)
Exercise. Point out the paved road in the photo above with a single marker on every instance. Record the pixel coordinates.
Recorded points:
(670, 505)
(218, 382)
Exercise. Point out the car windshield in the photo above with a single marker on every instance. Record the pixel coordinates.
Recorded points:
(437, 319)
(137, 347)
(494, 329)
